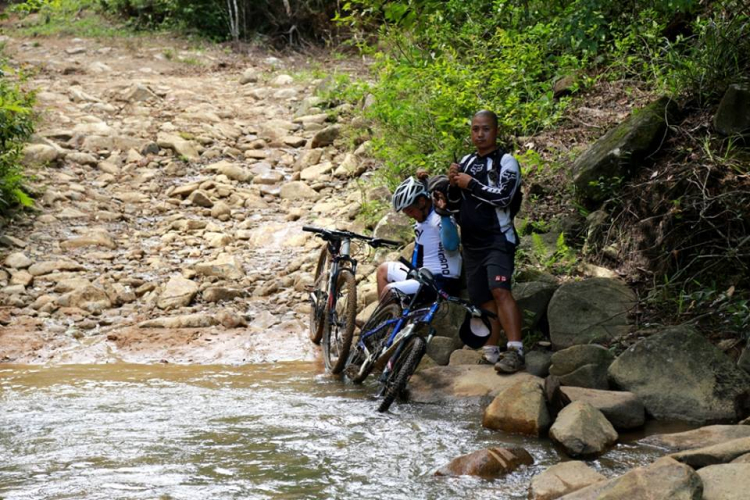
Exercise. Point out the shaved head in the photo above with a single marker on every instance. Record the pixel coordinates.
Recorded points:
(485, 113)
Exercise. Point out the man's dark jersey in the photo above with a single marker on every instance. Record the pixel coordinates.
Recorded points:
(484, 208)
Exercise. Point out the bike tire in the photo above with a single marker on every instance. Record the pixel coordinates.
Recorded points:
(406, 365)
(337, 337)
(356, 357)
(317, 310)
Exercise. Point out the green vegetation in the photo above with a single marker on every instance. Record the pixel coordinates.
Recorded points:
(66, 17)
(16, 125)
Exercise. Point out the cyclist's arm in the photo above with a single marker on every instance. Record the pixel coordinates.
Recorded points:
(449, 233)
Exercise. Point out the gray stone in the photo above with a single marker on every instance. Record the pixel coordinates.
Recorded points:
(232, 171)
(623, 409)
(200, 198)
(39, 154)
(297, 190)
(662, 480)
(520, 408)
(219, 293)
(394, 226)
(582, 366)
(180, 146)
(82, 159)
(561, 479)
(592, 310)
(733, 115)
(487, 464)
(470, 383)
(249, 76)
(49, 266)
(326, 136)
(532, 299)
(89, 298)
(316, 172)
(219, 209)
(11, 241)
(94, 238)
(538, 363)
(726, 482)
(466, 357)
(441, 348)
(583, 430)
(680, 375)
(179, 292)
(225, 266)
(622, 150)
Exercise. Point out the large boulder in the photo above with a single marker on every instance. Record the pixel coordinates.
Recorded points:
(469, 383)
(589, 311)
(583, 430)
(519, 409)
(725, 482)
(561, 479)
(487, 464)
(394, 226)
(680, 375)
(538, 363)
(532, 299)
(721, 453)
(621, 150)
(698, 438)
(440, 349)
(662, 480)
(623, 409)
(733, 115)
(582, 366)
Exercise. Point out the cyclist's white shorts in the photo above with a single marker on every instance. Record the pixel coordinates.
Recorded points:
(397, 278)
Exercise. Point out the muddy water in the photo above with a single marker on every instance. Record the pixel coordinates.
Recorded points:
(262, 431)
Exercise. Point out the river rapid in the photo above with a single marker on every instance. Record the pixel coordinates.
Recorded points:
(283, 430)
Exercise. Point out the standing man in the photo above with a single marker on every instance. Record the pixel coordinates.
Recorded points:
(484, 186)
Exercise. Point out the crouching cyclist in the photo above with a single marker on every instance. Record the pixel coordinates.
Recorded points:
(437, 242)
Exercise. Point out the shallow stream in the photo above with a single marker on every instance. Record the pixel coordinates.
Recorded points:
(281, 430)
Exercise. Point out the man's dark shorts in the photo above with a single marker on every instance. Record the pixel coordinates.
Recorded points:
(487, 269)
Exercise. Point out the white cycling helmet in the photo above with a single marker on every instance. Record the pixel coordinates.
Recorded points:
(407, 193)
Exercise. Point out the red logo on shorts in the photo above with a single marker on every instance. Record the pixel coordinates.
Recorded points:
(501, 279)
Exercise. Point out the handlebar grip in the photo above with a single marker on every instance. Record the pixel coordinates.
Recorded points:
(391, 242)
(310, 229)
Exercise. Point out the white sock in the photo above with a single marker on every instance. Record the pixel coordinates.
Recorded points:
(516, 345)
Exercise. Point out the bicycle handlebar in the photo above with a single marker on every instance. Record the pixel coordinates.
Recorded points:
(430, 281)
(336, 234)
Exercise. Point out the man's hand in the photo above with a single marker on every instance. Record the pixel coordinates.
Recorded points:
(453, 171)
(462, 180)
(422, 174)
(438, 199)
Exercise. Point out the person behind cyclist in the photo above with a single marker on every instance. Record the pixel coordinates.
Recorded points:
(435, 248)
(482, 187)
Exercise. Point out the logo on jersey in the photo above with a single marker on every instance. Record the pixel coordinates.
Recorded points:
(501, 279)
(476, 168)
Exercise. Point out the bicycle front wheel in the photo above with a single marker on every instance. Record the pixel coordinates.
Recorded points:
(339, 329)
(404, 368)
(354, 368)
(319, 296)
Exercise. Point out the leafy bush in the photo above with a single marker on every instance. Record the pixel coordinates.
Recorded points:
(16, 125)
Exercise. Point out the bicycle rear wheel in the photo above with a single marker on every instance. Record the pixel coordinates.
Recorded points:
(339, 328)
(404, 368)
(374, 342)
(319, 296)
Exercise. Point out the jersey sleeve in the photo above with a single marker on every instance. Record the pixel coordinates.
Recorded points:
(449, 233)
(508, 183)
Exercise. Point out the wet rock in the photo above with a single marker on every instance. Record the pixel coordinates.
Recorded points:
(538, 363)
(664, 479)
(733, 115)
(89, 298)
(17, 260)
(721, 453)
(589, 311)
(519, 408)
(697, 438)
(487, 464)
(725, 482)
(561, 479)
(49, 266)
(583, 430)
(94, 238)
(582, 366)
(621, 151)
(326, 136)
(450, 383)
(226, 266)
(39, 154)
(680, 375)
(532, 299)
(199, 320)
(297, 190)
(179, 292)
(623, 409)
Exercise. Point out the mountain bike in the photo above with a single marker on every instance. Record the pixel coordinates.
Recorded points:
(333, 294)
(396, 336)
